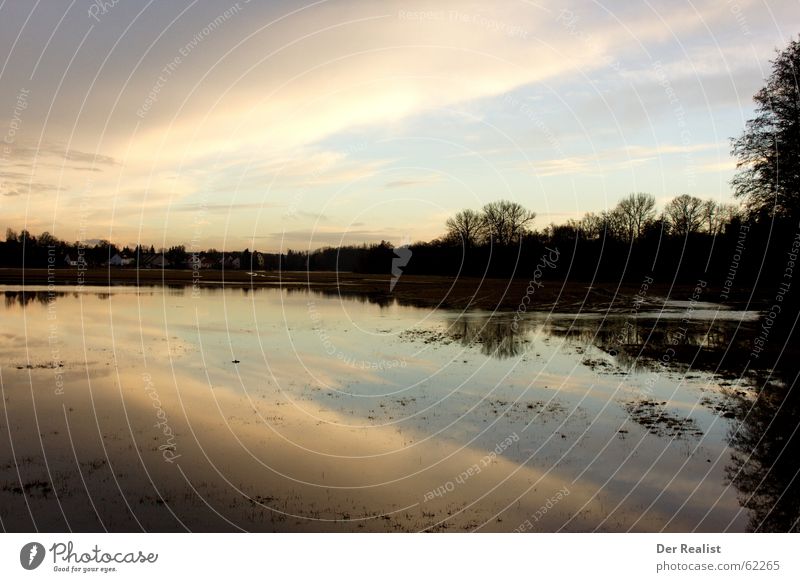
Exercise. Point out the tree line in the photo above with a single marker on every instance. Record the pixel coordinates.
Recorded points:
(688, 239)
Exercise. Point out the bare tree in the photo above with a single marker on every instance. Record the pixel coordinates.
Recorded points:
(46, 239)
(716, 215)
(591, 225)
(506, 222)
(684, 214)
(635, 211)
(466, 227)
(608, 223)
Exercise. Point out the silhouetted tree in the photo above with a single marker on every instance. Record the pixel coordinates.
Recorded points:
(176, 256)
(466, 227)
(506, 222)
(765, 446)
(768, 151)
(635, 211)
(592, 226)
(684, 214)
(716, 215)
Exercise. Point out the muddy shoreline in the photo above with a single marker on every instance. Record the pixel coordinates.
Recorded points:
(415, 290)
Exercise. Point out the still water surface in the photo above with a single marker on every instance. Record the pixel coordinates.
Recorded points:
(161, 409)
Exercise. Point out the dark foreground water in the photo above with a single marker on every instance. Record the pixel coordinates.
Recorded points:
(162, 409)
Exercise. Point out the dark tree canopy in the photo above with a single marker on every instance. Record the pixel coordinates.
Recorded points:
(466, 227)
(506, 222)
(684, 214)
(635, 211)
(768, 151)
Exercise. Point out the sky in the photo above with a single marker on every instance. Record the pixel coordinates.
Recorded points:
(275, 125)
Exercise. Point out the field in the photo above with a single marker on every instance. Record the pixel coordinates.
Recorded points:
(420, 291)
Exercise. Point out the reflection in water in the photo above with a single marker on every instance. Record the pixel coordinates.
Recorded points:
(288, 410)
(496, 335)
(340, 291)
(646, 343)
(766, 448)
(638, 344)
(764, 465)
(23, 298)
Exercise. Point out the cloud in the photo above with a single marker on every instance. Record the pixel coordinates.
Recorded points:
(22, 188)
(616, 159)
(217, 208)
(268, 106)
(50, 149)
(330, 236)
(412, 182)
(295, 214)
(715, 167)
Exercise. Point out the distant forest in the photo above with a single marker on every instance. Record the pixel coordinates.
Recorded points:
(689, 239)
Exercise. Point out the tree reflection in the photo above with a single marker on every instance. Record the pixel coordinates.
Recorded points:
(496, 335)
(764, 465)
(24, 298)
(641, 344)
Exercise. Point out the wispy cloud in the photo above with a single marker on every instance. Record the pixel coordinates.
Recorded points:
(617, 159)
(412, 182)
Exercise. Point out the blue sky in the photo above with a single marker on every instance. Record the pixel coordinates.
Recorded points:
(279, 124)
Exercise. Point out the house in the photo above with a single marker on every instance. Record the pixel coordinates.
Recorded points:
(121, 260)
(153, 261)
(232, 262)
(258, 261)
(160, 262)
(197, 262)
(69, 262)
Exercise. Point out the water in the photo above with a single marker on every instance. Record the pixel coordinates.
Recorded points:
(164, 409)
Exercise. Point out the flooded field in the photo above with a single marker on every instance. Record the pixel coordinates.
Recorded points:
(168, 409)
